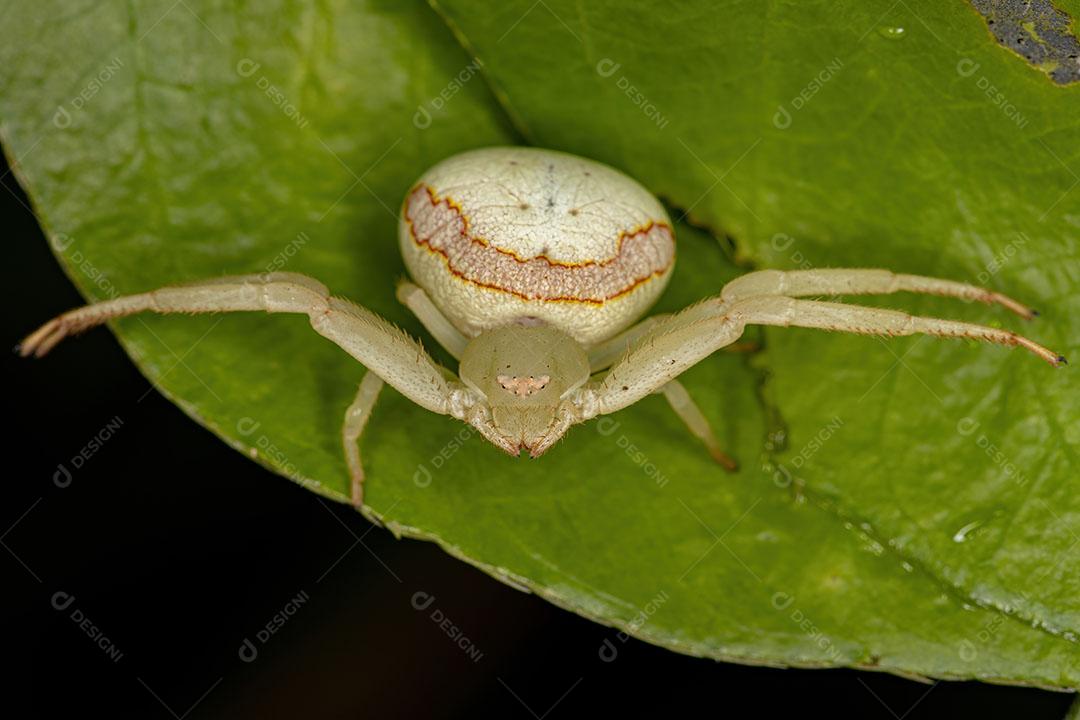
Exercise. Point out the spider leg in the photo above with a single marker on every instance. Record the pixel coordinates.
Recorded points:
(356, 417)
(742, 346)
(390, 355)
(860, 281)
(696, 422)
(414, 298)
(375, 343)
(683, 340)
(787, 312)
(607, 352)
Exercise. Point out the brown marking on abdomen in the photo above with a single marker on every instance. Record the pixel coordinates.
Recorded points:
(441, 227)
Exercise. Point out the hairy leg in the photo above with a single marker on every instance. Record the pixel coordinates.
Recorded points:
(374, 342)
(859, 281)
(785, 311)
(683, 340)
(609, 351)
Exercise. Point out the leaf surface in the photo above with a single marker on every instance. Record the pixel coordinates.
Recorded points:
(167, 142)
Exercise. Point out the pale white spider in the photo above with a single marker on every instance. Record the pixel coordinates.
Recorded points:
(531, 265)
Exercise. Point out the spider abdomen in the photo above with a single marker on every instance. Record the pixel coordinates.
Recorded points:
(504, 234)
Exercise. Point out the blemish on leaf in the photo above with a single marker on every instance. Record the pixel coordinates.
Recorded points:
(1036, 31)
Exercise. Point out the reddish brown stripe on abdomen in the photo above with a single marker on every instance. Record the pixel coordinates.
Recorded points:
(439, 226)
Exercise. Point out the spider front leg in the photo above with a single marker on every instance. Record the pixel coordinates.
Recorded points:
(860, 281)
(389, 354)
(786, 311)
(677, 343)
(608, 352)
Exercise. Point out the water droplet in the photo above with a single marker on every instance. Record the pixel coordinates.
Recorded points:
(776, 439)
(873, 547)
(891, 33)
(961, 535)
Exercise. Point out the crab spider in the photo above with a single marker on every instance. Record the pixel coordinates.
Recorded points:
(531, 267)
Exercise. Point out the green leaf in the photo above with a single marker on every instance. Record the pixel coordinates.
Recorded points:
(887, 136)
(163, 142)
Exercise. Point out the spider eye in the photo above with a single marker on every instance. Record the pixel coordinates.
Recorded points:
(523, 386)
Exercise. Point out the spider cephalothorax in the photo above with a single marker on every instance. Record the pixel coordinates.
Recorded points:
(523, 382)
(531, 268)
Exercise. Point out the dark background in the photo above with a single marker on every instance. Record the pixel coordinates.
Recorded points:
(178, 548)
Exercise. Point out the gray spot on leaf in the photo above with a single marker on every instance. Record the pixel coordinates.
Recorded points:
(1036, 31)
